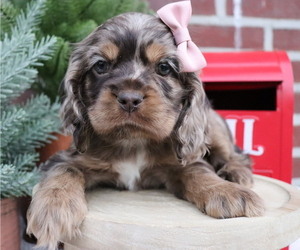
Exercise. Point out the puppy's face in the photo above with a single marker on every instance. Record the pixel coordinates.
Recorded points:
(129, 81)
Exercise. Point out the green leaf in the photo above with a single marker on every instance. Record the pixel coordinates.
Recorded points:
(24, 127)
(7, 16)
(23, 75)
(10, 125)
(15, 182)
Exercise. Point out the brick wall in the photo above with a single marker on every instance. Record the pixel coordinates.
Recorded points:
(230, 25)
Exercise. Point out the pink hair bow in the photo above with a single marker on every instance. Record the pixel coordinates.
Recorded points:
(176, 16)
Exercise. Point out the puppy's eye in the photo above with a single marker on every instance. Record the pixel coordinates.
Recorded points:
(163, 69)
(102, 66)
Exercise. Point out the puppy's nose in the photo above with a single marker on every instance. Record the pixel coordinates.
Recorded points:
(129, 101)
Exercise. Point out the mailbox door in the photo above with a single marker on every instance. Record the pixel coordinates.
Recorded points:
(257, 134)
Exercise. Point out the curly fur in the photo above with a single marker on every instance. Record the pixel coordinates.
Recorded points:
(138, 122)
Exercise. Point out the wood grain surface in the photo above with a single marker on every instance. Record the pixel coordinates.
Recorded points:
(155, 219)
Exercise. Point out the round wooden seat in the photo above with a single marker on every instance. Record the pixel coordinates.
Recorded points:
(156, 219)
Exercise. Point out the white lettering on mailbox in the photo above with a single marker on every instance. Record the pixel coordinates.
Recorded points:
(247, 135)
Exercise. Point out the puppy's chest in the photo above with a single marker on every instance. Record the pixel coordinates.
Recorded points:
(130, 169)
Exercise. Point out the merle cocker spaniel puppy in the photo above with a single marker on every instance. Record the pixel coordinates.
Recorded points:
(138, 122)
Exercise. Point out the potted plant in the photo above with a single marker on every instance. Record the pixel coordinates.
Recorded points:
(27, 120)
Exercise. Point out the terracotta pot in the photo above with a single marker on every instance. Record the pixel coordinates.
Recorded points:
(10, 231)
(62, 143)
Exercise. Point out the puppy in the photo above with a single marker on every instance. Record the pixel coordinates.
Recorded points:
(138, 122)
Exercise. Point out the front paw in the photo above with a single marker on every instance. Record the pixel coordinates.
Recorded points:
(229, 200)
(55, 214)
(240, 175)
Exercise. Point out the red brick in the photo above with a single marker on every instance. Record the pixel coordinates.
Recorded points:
(268, 8)
(203, 7)
(296, 167)
(156, 4)
(286, 39)
(218, 36)
(200, 7)
(253, 38)
(212, 36)
(297, 136)
(296, 71)
(297, 107)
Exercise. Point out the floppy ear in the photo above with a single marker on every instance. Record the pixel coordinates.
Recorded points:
(192, 127)
(73, 111)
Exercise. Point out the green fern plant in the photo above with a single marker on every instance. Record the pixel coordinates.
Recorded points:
(7, 17)
(24, 126)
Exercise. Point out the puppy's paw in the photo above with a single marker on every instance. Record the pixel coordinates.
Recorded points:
(240, 175)
(55, 214)
(229, 200)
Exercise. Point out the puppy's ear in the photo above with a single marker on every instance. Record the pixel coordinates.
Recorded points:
(192, 127)
(73, 111)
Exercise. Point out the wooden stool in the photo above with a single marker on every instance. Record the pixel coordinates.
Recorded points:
(157, 220)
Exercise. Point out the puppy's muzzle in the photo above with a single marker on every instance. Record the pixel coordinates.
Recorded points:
(130, 100)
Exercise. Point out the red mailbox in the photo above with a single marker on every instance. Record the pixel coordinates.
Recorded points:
(253, 91)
